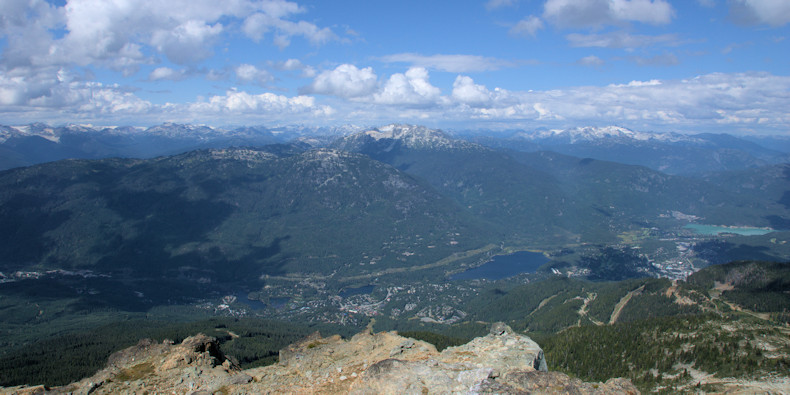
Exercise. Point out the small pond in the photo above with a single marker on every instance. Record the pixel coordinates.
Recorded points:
(257, 304)
(366, 290)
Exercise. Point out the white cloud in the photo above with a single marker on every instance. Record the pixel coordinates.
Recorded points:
(592, 13)
(771, 12)
(250, 73)
(467, 94)
(290, 65)
(345, 81)
(63, 98)
(740, 102)
(466, 91)
(235, 106)
(657, 12)
(57, 91)
(620, 39)
(187, 43)
(257, 25)
(411, 88)
(294, 65)
(26, 25)
(528, 26)
(124, 34)
(166, 73)
(636, 83)
(242, 102)
(449, 63)
(591, 60)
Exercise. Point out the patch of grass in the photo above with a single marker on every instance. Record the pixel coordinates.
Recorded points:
(314, 344)
(136, 372)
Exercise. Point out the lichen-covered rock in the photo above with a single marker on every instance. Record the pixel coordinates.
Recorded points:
(195, 365)
(502, 349)
(392, 376)
(382, 363)
(537, 383)
(332, 364)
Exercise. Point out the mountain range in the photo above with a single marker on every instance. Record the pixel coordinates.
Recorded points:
(39, 143)
(671, 153)
(226, 214)
(381, 199)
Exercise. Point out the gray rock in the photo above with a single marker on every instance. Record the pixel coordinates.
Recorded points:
(499, 329)
(239, 379)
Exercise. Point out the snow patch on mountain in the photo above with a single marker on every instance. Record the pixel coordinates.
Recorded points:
(593, 133)
(413, 136)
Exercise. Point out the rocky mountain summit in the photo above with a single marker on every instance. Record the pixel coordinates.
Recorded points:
(368, 363)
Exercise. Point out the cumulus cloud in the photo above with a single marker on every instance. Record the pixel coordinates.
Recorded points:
(242, 102)
(257, 25)
(449, 63)
(62, 97)
(166, 73)
(620, 39)
(528, 26)
(753, 12)
(250, 73)
(290, 64)
(345, 81)
(411, 88)
(124, 34)
(61, 92)
(702, 103)
(26, 27)
(466, 91)
(236, 105)
(189, 42)
(592, 13)
(467, 94)
(294, 65)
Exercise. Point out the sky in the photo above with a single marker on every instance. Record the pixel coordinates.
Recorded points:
(683, 66)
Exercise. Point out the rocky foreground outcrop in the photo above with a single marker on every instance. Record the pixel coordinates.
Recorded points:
(368, 363)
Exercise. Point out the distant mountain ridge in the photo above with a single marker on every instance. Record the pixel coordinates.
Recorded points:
(590, 133)
(672, 153)
(38, 143)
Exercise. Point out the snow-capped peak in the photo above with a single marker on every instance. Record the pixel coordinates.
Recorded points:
(592, 133)
(412, 136)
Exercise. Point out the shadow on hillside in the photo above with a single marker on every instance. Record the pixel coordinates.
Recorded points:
(26, 222)
(718, 252)
(778, 222)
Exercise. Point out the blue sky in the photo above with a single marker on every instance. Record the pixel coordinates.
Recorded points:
(654, 65)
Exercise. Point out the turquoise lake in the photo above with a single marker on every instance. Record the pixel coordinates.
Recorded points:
(504, 266)
(712, 230)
